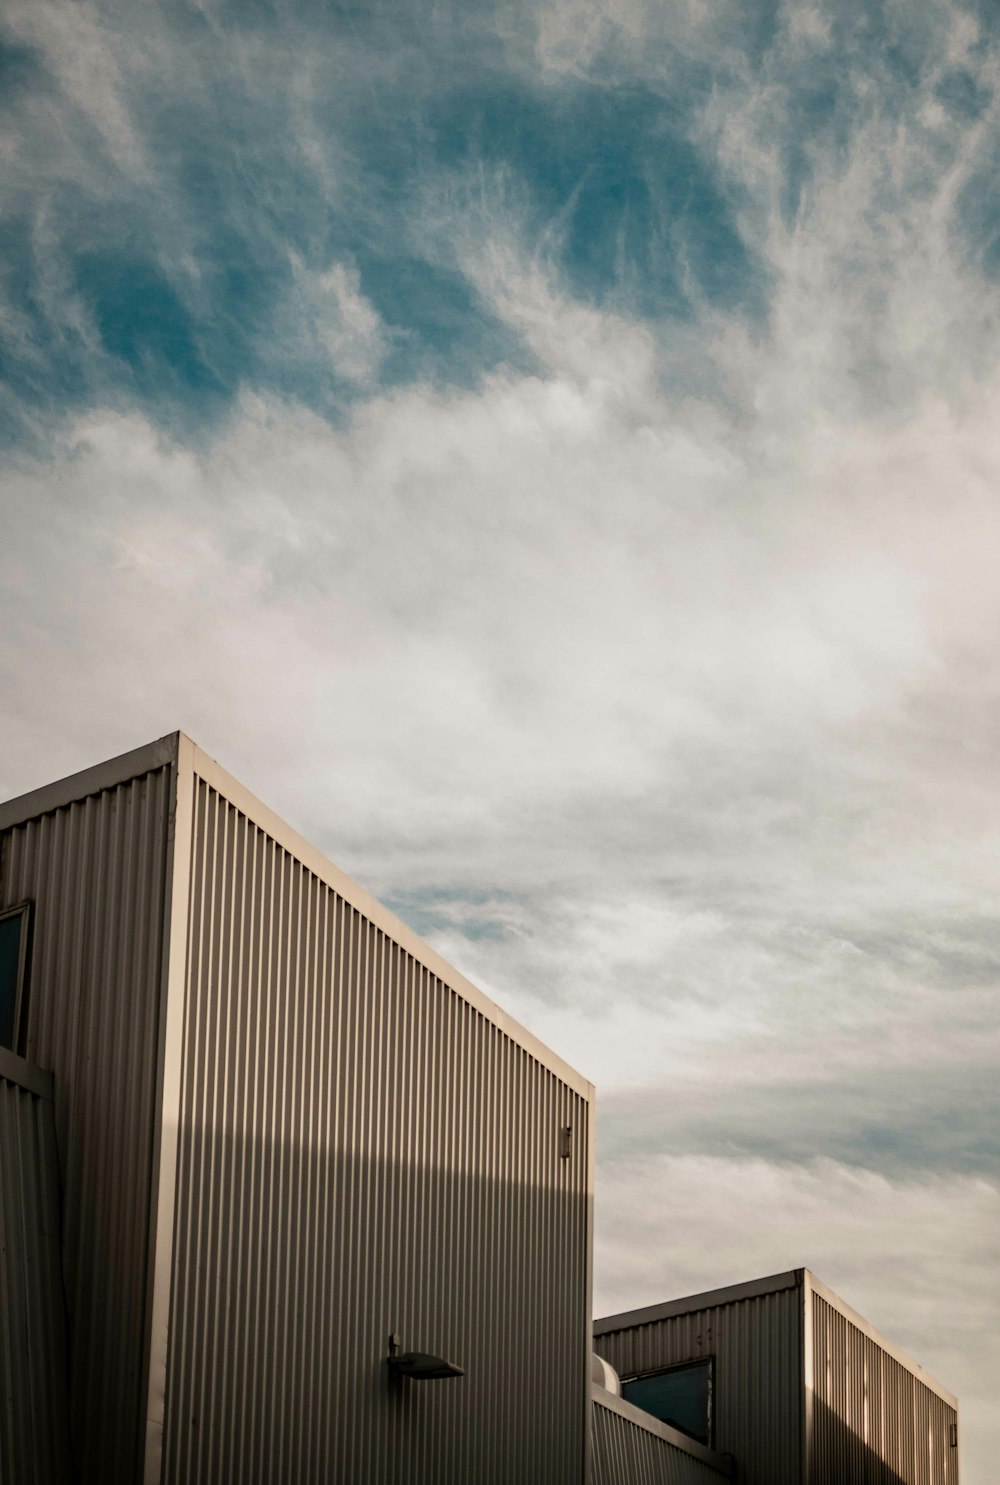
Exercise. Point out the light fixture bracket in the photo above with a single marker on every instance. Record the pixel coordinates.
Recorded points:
(419, 1366)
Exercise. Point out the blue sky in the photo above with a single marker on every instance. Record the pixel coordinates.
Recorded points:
(178, 184)
(550, 452)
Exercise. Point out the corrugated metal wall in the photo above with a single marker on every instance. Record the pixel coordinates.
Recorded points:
(625, 1453)
(874, 1422)
(361, 1151)
(34, 1423)
(95, 871)
(757, 1383)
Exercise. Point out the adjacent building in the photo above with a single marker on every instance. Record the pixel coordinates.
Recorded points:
(789, 1382)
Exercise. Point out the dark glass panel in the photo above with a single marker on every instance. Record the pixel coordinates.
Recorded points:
(10, 957)
(680, 1397)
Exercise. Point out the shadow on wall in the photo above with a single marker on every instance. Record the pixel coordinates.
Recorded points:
(909, 1455)
(293, 1265)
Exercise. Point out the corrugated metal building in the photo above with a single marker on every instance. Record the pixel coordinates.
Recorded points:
(801, 1390)
(287, 1129)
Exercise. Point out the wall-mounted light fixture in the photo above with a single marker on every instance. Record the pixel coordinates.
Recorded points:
(419, 1366)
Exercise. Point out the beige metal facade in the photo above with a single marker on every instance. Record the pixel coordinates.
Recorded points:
(631, 1448)
(34, 1421)
(91, 856)
(875, 1418)
(363, 1150)
(286, 1129)
(754, 1333)
(806, 1392)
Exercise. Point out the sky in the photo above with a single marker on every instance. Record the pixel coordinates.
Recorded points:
(550, 453)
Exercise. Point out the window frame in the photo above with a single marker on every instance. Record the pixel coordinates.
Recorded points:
(708, 1362)
(19, 1036)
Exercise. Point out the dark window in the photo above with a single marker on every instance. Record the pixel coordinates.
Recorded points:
(13, 951)
(680, 1395)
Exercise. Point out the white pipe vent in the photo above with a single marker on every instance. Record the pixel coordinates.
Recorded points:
(604, 1374)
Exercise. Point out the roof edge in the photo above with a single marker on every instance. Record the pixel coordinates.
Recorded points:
(313, 858)
(772, 1284)
(166, 750)
(93, 780)
(891, 1349)
(710, 1299)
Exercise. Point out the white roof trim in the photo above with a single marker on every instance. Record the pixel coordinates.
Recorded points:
(772, 1284)
(165, 750)
(248, 804)
(711, 1298)
(77, 786)
(891, 1349)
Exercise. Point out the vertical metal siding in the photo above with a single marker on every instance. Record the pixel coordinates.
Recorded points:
(627, 1454)
(875, 1423)
(95, 871)
(361, 1151)
(34, 1434)
(757, 1383)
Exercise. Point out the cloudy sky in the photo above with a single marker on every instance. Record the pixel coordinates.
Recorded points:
(550, 452)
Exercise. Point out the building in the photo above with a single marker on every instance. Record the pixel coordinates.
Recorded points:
(790, 1382)
(286, 1131)
(285, 1198)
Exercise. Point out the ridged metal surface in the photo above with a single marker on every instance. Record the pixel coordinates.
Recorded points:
(757, 1381)
(625, 1453)
(361, 1152)
(34, 1432)
(95, 873)
(874, 1422)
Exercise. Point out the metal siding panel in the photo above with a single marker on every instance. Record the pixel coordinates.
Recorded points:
(757, 1385)
(874, 1420)
(944, 1458)
(34, 1431)
(361, 1151)
(624, 1453)
(95, 871)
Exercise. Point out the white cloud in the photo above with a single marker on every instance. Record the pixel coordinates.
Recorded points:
(327, 320)
(80, 49)
(526, 644)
